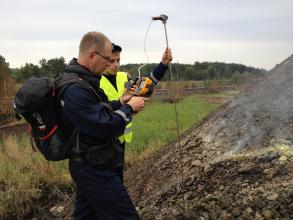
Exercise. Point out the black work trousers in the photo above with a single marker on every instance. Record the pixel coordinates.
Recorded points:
(120, 170)
(100, 194)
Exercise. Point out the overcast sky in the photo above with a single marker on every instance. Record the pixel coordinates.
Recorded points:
(256, 33)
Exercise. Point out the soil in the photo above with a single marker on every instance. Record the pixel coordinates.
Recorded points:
(236, 164)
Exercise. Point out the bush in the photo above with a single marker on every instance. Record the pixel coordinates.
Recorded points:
(213, 86)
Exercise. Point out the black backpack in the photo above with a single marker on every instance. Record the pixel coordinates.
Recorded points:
(38, 101)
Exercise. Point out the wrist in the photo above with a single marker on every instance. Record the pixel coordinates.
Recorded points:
(132, 111)
(121, 101)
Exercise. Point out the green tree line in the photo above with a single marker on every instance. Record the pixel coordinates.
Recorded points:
(199, 70)
(46, 67)
(196, 71)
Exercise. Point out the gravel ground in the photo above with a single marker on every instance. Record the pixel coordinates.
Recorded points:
(237, 164)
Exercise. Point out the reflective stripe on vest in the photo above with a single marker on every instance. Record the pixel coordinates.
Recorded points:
(113, 94)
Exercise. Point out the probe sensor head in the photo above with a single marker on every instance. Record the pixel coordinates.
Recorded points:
(163, 18)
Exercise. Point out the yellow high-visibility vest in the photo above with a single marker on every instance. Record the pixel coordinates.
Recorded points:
(113, 94)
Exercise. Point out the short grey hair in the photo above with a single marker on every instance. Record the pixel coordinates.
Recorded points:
(92, 41)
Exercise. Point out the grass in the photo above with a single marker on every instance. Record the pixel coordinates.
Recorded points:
(223, 94)
(17, 86)
(156, 125)
(24, 174)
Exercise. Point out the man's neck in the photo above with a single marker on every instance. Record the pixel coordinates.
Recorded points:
(110, 74)
(84, 64)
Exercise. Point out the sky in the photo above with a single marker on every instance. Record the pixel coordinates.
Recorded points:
(256, 33)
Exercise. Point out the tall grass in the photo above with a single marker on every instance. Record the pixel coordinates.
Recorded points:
(156, 125)
(23, 175)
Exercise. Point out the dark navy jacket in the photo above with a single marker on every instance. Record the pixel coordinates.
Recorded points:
(159, 71)
(97, 125)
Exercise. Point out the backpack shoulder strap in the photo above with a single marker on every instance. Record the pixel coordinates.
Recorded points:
(62, 82)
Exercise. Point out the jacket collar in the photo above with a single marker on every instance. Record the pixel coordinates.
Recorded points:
(83, 72)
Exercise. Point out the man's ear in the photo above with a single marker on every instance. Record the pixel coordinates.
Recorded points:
(91, 55)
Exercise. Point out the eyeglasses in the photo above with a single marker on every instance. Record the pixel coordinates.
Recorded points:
(106, 58)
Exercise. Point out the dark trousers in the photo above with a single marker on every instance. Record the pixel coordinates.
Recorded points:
(120, 170)
(100, 194)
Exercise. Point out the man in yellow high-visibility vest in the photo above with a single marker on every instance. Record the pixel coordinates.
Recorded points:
(113, 83)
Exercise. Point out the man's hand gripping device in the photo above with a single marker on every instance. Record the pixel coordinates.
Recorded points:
(143, 86)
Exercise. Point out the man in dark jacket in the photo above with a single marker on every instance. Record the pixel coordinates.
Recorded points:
(100, 194)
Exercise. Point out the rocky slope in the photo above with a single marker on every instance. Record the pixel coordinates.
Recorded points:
(237, 164)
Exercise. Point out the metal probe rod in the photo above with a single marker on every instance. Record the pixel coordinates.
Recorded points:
(164, 19)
